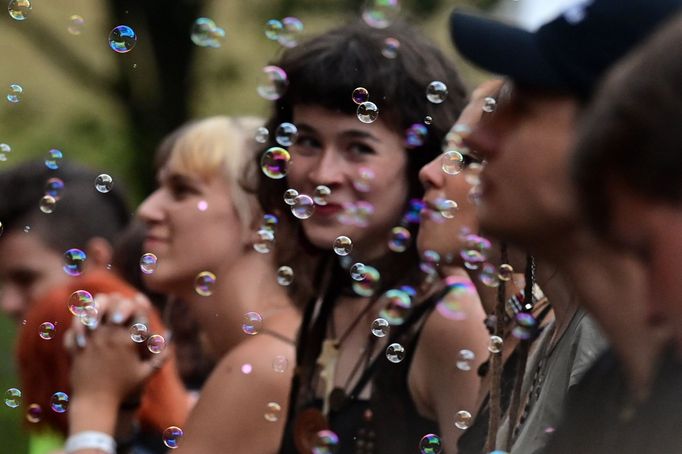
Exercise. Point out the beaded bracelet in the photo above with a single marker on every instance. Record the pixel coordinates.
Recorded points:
(90, 440)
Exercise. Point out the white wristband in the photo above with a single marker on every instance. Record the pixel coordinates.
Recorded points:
(90, 440)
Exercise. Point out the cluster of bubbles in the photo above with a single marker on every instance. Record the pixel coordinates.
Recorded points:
(13, 398)
(459, 291)
(436, 92)
(74, 262)
(396, 305)
(204, 283)
(148, 263)
(19, 9)
(380, 327)
(15, 93)
(395, 353)
(416, 135)
(275, 162)
(367, 111)
(285, 275)
(430, 444)
(53, 158)
(205, 33)
(104, 183)
(464, 359)
(463, 419)
(369, 283)
(122, 39)
(76, 25)
(273, 83)
(326, 442)
(286, 31)
(172, 436)
(252, 323)
(272, 412)
(380, 13)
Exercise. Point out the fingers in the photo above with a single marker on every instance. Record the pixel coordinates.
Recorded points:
(120, 310)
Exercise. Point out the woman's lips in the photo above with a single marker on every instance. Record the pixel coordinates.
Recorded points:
(329, 209)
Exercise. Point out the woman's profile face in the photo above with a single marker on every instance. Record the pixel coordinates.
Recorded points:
(364, 166)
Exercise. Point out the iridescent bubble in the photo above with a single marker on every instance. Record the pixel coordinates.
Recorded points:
(343, 245)
(495, 344)
(380, 327)
(395, 306)
(489, 104)
(360, 95)
(13, 398)
(275, 162)
(364, 179)
(390, 49)
(429, 262)
(265, 240)
(139, 332)
(54, 157)
(46, 330)
(447, 208)
(273, 84)
(4, 149)
(290, 196)
(47, 204)
(59, 402)
(416, 135)
(205, 33)
(526, 326)
(436, 92)
(358, 272)
(489, 275)
(368, 112)
(400, 239)
(74, 261)
(286, 134)
(262, 135)
(430, 444)
(122, 39)
(204, 283)
(292, 27)
(104, 183)
(252, 323)
(459, 292)
(90, 317)
(172, 436)
(395, 352)
(270, 222)
(273, 28)
(280, 364)
(476, 249)
(148, 263)
(76, 24)
(272, 412)
(19, 9)
(464, 359)
(320, 195)
(34, 413)
(54, 187)
(380, 13)
(303, 207)
(156, 343)
(367, 286)
(285, 276)
(15, 93)
(463, 419)
(326, 442)
(505, 272)
(452, 162)
(79, 301)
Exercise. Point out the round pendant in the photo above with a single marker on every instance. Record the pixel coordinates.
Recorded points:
(308, 423)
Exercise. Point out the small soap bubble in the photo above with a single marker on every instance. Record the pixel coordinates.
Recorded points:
(19, 9)
(59, 402)
(464, 359)
(303, 207)
(395, 352)
(27, 228)
(462, 419)
(172, 436)
(380, 327)
(320, 195)
(272, 412)
(476, 250)
(488, 275)
(526, 326)
(265, 240)
(399, 239)
(138, 332)
(270, 221)
(430, 444)
(364, 179)
(326, 442)
(395, 306)
(390, 48)
(447, 208)
(452, 162)
(430, 261)
(416, 135)
(47, 204)
(280, 364)
(2, 229)
(204, 283)
(79, 301)
(489, 104)
(54, 157)
(74, 261)
(34, 413)
(90, 317)
(76, 24)
(360, 95)
(252, 323)
(285, 276)
(15, 93)
(104, 183)
(380, 13)
(156, 343)
(275, 162)
(286, 134)
(505, 272)
(273, 83)
(436, 92)
(4, 150)
(247, 369)
(13, 398)
(428, 120)
(343, 245)
(148, 263)
(273, 28)
(262, 135)
(46, 331)
(459, 291)
(205, 33)
(54, 187)
(367, 286)
(357, 271)
(292, 27)
(495, 344)
(368, 112)
(290, 196)
(122, 39)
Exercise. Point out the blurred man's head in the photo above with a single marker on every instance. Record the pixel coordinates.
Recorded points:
(34, 240)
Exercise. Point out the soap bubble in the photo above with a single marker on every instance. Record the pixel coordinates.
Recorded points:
(429, 262)
(380, 327)
(74, 261)
(148, 263)
(59, 402)
(265, 239)
(4, 149)
(262, 135)
(79, 301)
(204, 283)
(488, 275)
(292, 27)
(13, 398)
(275, 162)
(320, 195)
(172, 436)
(416, 135)
(104, 183)
(343, 245)
(46, 330)
(285, 275)
(122, 39)
(280, 364)
(156, 343)
(90, 316)
(47, 204)
(489, 104)
(428, 120)
(252, 323)
(286, 134)
(76, 24)
(205, 33)
(395, 306)
(15, 93)
(463, 419)
(290, 196)
(495, 344)
(273, 83)
(360, 95)
(390, 49)
(367, 286)
(452, 162)
(505, 272)
(363, 179)
(19, 9)
(436, 92)
(526, 326)
(326, 442)
(430, 444)
(303, 207)
(357, 271)
(54, 157)
(446, 208)
(273, 28)
(139, 332)
(367, 112)
(400, 239)
(380, 13)
(459, 291)
(273, 412)
(54, 187)
(34, 413)
(464, 359)
(270, 221)
(395, 352)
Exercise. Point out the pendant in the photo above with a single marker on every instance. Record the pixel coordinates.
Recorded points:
(337, 399)
(308, 423)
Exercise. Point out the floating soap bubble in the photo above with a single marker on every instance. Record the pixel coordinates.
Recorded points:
(79, 301)
(54, 157)
(139, 332)
(495, 344)
(76, 24)
(47, 204)
(104, 183)
(399, 239)
(4, 150)
(90, 317)
(292, 27)
(34, 413)
(15, 93)
(452, 162)
(360, 95)
(395, 353)
(148, 263)
(446, 208)
(368, 112)
(262, 135)
(290, 196)
(436, 92)
(303, 207)
(156, 343)
(280, 364)
(273, 84)
(286, 134)
(265, 240)
(252, 323)
(205, 33)
(505, 272)
(464, 359)
(204, 283)
(476, 249)
(459, 291)
(429, 262)
(270, 222)
(489, 275)
(380, 327)
(367, 286)
(380, 13)
(430, 444)
(172, 436)
(13, 398)
(285, 275)
(428, 120)
(358, 272)
(19, 9)
(390, 48)
(273, 411)
(343, 245)
(396, 305)
(273, 28)
(326, 442)
(59, 402)
(416, 135)
(275, 162)
(364, 179)
(526, 326)
(463, 419)
(489, 104)
(320, 195)
(54, 187)
(46, 330)
(122, 39)
(74, 261)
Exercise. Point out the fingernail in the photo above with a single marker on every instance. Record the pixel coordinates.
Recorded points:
(117, 318)
(81, 341)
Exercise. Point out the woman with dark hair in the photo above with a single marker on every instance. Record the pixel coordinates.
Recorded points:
(376, 368)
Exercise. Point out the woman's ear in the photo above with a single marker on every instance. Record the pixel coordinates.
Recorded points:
(99, 252)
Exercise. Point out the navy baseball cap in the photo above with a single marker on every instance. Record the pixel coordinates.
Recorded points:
(570, 53)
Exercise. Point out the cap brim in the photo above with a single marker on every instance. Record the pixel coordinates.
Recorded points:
(502, 49)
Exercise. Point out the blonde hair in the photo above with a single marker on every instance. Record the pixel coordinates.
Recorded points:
(216, 146)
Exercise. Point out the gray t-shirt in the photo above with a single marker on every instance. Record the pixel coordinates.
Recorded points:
(563, 367)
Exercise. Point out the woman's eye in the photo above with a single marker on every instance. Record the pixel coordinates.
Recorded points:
(361, 149)
(306, 145)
